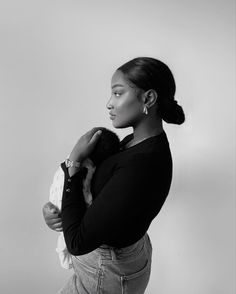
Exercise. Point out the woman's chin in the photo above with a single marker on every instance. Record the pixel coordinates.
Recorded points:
(119, 125)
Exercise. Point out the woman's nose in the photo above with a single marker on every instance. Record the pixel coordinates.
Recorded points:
(108, 105)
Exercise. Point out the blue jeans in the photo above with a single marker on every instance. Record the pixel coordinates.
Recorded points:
(110, 270)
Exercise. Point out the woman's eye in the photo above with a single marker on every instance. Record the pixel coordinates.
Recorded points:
(117, 94)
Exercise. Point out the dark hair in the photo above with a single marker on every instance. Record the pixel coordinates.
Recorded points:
(148, 73)
(107, 145)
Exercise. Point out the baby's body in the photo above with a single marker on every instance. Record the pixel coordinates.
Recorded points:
(107, 145)
(55, 198)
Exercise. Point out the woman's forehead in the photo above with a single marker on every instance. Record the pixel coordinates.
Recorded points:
(118, 79)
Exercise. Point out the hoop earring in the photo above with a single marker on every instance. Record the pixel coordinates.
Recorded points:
(145, 110)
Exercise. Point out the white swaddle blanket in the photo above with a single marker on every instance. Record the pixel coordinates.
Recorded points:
(55, 197)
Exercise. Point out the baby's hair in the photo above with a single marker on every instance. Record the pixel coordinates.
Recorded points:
(107, 145)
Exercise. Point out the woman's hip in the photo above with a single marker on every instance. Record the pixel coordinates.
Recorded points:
(116, 270)
(107, 255)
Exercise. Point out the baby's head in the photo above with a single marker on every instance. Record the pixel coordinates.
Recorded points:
(107, 145)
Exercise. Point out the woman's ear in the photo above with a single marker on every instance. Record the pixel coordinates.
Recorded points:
(150, 97)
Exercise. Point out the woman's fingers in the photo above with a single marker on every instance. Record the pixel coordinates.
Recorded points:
(50, 210)
(85, 145)
(54, 224)
(94, 134)
(93, 131)
(54, 220)
(52, 215)
(49, 206)
(57, 225)
(59, 230)
(95, 137)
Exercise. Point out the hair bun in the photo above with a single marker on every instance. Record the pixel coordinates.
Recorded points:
(171, 111)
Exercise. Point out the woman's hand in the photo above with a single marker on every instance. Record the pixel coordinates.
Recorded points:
(85, 145)
(52, 217)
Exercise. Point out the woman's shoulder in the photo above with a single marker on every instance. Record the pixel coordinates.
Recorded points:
(152, 149)
(125, 140)
(149, 145)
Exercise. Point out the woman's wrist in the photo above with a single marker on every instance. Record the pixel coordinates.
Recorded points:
(73, 163)
(75, 157)
(73, 170)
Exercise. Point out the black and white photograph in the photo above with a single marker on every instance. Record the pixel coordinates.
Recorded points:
(117, 122)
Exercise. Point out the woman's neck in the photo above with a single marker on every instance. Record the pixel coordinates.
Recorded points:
(145, 131)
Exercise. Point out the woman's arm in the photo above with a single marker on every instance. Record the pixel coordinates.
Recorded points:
(52, 209)
(121, 213)
(81, 150)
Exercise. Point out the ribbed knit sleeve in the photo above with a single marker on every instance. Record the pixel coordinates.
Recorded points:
(124, 208)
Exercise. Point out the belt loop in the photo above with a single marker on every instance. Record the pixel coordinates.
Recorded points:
(113, 254)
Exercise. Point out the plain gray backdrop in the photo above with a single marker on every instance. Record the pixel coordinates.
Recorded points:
(56, 63)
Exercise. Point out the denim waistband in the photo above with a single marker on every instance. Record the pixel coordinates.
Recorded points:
(122, 254)
(104, 246)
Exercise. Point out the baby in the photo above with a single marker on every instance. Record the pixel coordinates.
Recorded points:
(107, 145)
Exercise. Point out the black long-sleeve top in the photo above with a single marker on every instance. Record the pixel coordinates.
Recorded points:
(128, 188)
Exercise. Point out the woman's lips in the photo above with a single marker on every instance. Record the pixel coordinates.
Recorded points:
(112, 116)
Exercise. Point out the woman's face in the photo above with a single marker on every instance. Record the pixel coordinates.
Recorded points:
(124, 103)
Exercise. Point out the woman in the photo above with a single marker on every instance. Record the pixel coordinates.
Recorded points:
(111, 249)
